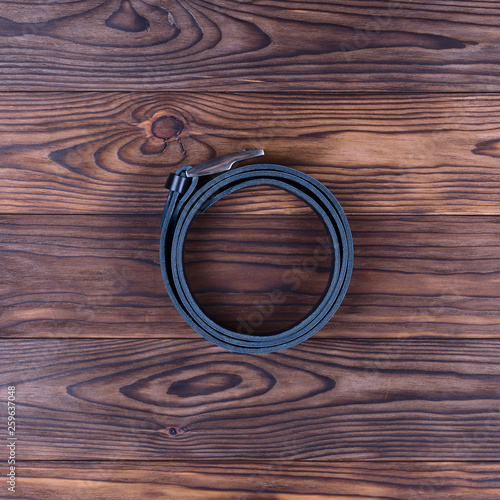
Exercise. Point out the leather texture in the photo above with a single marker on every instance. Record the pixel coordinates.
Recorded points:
(185, 201)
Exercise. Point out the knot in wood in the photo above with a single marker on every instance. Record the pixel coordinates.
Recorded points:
(167, 127)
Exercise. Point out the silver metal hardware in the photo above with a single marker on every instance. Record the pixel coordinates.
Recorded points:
(222, 163)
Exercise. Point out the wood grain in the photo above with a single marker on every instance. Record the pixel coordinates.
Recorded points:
(95, 276)
(413, 276)
(197, 480)
(228, 45)
(111, 152)
(186, 400)
(117, 397)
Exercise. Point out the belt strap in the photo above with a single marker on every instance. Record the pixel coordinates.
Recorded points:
(187, 197)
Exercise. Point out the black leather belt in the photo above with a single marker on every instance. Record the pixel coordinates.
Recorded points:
(186, 198)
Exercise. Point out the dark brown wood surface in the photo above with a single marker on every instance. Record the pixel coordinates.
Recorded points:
(131, 480)
(394, 106)
(327, 399)
(252, 46)
(111, 152)
(93, 276)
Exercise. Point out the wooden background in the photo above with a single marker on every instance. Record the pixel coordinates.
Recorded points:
(394, 106)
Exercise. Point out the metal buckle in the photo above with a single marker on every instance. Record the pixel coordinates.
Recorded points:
(222, 163)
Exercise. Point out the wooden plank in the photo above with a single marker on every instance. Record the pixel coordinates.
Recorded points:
(186, 400)
(111, 152)
(259, 46)
(95, 276)
(257, 481)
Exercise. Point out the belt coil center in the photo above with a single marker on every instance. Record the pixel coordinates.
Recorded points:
(186, 198)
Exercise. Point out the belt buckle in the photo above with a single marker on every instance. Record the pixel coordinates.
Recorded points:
(222, 163)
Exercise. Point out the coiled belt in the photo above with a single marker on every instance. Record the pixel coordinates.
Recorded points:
(186, 198)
